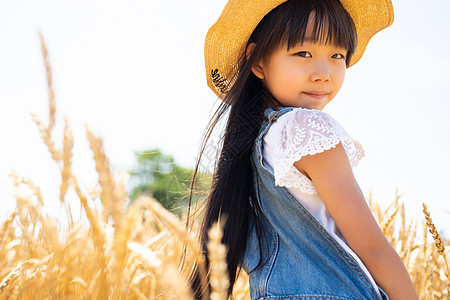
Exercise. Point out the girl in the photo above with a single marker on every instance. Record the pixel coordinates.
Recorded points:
(296, 220)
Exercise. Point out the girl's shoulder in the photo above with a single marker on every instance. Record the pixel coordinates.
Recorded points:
(309, 119)
(303, 131)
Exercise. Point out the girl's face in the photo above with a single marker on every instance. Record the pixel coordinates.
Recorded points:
(309, 75)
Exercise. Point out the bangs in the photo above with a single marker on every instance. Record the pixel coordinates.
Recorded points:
(331, 24)
(287, 25)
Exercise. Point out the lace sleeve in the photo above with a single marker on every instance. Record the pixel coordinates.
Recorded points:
(303, 132)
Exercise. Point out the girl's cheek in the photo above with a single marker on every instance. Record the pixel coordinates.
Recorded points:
(297, 75)
(339, 70)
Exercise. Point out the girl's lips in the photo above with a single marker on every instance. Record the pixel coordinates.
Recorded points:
(317, 95)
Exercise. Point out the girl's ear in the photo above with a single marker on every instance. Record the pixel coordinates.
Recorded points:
(256, 69)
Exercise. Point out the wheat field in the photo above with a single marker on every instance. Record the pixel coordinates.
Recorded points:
(120, 252)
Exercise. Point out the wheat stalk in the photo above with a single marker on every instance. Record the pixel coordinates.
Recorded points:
(98, 238)
(46, 131)
(178, 285)
(174, 225)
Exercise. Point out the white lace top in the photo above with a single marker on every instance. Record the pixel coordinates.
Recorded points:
(303, 132)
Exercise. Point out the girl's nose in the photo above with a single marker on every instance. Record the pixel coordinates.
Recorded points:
(321, 73)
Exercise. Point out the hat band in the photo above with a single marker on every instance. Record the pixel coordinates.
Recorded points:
(219, 81)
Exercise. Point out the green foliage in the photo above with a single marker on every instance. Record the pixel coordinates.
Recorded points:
(159, 176)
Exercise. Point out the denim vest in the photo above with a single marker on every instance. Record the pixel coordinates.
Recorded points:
(300, 258)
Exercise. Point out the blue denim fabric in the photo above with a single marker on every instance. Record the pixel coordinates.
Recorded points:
(300, 258)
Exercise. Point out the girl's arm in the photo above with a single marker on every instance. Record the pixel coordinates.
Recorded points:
(333, 178)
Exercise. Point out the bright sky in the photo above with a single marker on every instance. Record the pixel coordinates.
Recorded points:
(134, 72)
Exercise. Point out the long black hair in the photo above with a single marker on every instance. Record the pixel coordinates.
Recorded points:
(232, 195)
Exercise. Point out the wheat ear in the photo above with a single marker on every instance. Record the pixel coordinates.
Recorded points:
(218, 265)
(11, 276)
(105, 177)
(51, 93)
(436, 236)
(66, 169)
(384, 226)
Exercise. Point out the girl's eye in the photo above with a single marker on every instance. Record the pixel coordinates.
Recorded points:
(338, 56)
(303, 54)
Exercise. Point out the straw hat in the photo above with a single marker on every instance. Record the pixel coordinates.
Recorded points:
(227, 37)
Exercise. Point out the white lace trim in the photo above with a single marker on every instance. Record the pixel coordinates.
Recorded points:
(303, 132)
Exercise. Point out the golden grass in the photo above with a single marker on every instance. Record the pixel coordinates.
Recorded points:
(116, 252)
(219, 275)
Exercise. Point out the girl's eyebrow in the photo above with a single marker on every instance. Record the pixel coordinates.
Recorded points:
(306, 41)
(314, 39)
(323, 41)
